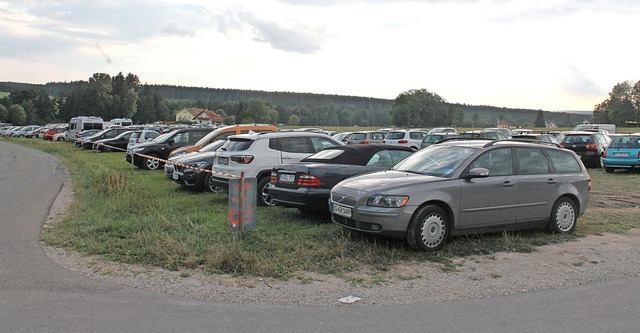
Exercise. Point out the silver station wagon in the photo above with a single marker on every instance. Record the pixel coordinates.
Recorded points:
(469, 186)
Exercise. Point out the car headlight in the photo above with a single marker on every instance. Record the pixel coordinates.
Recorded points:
(391, 201)
(138, 149)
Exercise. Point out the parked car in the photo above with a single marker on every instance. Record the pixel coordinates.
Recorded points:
(192, 171)
(588, 145)
(536, 136)
(445, 130)
(118, 143)
(60, 136)
(408, 138)
(521, 131)
(430, 139)
(482, 135)
(24, 131)
(222, 133)
(257, 154)
(623, 152)
(140, 136)
(365, 137)
(168, 166)
(306, 184)
(153, 154)
(49, 133)
(342, 137)
(80, 136)
(110, 133)
(466, 186)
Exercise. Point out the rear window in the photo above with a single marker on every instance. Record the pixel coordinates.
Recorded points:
(237, 144)
(626, 142)
(577, 139)
(358, 136)
(395, 136)
(564, 161)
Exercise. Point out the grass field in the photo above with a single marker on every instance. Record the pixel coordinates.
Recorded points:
(137, 216)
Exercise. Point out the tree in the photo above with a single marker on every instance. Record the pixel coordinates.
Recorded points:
(16, 115)
(294, 120)
(539, 122)
(619, 107)
(4, 113)
(421, 108)
(635, 98)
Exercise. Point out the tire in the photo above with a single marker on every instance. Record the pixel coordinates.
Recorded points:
(264, 199)
(563, 216)
(150, 163)
(209, 186)
(609, 170)
(598, 163)
(429, 229)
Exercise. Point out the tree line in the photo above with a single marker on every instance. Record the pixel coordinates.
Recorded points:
(123, 96)
(622, 107)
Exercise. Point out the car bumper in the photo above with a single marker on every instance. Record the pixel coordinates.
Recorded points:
(311, 198)
(189, 179)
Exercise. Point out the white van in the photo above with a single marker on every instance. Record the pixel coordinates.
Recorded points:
(119, 122)
(77, 124)
(610, 128)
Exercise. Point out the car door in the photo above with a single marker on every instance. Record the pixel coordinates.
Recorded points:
(491, 200)
(538, 185)
(293, 149)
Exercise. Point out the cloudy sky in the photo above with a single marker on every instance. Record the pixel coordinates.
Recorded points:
(546, 54)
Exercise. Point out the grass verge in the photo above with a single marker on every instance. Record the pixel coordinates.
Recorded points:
(137, 216)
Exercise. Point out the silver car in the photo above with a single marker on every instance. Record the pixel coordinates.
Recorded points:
(469, 186)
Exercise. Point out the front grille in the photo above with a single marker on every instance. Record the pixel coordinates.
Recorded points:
(358, 225)
(343, 199)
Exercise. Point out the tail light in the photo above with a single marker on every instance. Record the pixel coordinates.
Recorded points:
(604, 154)
(242, 159)
(589, 186)
(364, 142)
(306, 180)
(274, 177)
(592, 146)
(403, 141)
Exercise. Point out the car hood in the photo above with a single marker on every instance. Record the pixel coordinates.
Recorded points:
(388, 180)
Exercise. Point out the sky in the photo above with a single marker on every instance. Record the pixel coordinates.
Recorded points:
(552, 55)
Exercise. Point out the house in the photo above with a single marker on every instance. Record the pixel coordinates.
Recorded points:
(198, 116)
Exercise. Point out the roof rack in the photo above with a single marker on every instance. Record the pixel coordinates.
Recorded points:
(540, 142)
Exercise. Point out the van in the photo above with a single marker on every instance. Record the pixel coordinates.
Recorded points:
(222, 133)
(610, 128)
(77, 124)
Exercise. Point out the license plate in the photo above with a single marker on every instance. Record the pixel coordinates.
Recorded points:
(621, 154)
(223, 160)
(176, 175)
(287, 178)
(341, 210)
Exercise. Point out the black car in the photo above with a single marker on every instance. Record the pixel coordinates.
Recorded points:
(119, 143)
(588, 145)
(307, 184)
(537, 136)
(192, 171)
(152, 155)
(104, 134)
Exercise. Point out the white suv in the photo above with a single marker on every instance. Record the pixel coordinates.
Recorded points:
(256, 154)
(407, 138)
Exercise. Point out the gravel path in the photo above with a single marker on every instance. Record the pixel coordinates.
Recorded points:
(589, 260)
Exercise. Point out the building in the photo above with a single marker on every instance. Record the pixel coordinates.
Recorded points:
(199, 116)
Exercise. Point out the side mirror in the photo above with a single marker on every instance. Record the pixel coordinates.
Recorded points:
(476, 173)
(171, 142)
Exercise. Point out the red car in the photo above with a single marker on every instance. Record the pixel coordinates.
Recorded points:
(49, 133)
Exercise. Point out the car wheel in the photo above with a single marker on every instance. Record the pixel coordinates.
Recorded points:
(151, 163)
(599, 163)
(209, 185)
(563, 216)
(264, 199)
(428, 229)
(609, 170)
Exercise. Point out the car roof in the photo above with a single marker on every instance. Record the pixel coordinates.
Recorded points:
(255, 136)
(358, 153)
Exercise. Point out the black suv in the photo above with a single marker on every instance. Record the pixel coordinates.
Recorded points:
(151, 155)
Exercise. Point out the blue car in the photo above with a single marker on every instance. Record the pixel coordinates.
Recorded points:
(623, 152)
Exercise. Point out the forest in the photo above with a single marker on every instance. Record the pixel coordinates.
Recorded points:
(121, 96)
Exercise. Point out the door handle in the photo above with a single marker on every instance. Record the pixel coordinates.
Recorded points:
(507, 184)
(551, 181)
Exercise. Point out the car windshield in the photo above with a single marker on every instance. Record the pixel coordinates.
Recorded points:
(212, 146)
(436, 160)
(162, 138)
